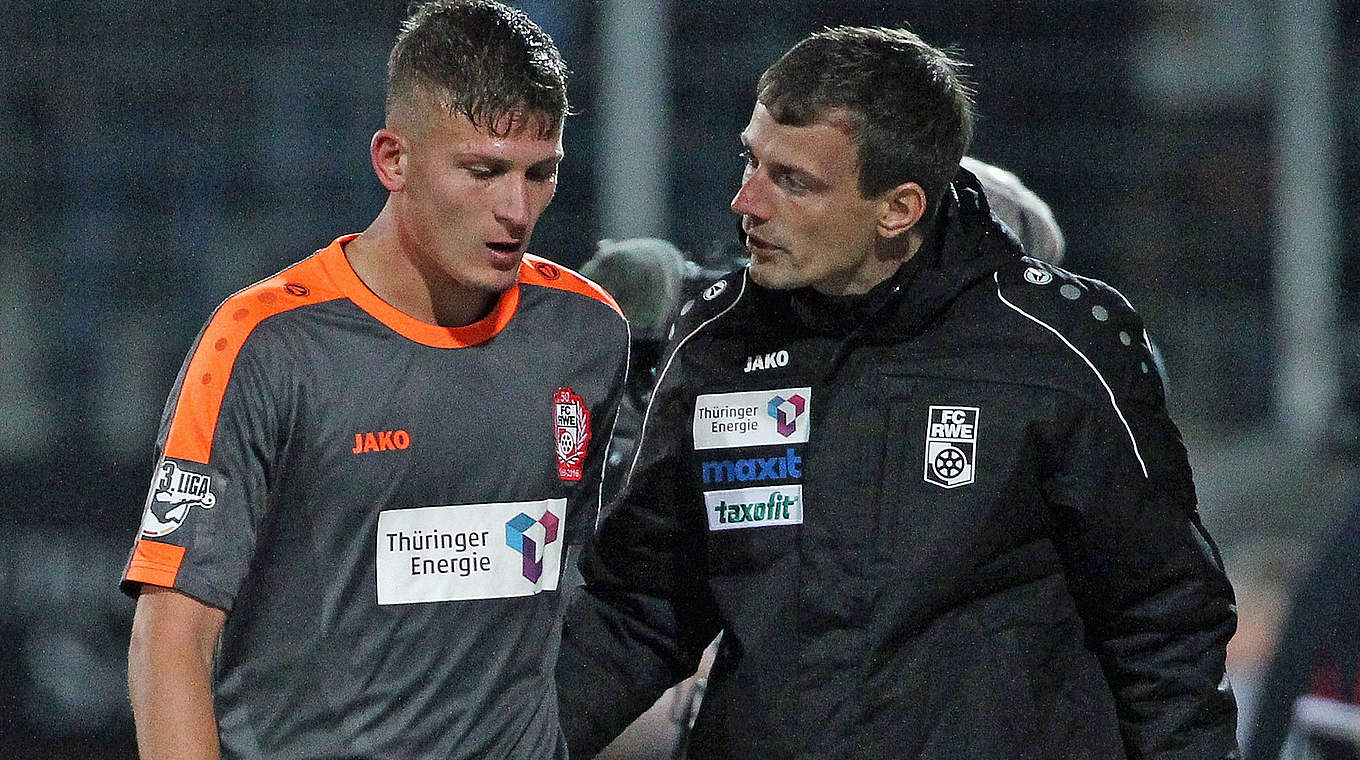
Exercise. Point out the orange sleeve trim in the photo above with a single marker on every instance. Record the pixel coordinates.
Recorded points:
(205, 379)
(539, 271)
(436, 336)
(155, 563)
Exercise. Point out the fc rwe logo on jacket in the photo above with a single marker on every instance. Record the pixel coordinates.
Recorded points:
(951, 445)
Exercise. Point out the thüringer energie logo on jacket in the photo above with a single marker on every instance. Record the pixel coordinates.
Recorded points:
(752, 418)
(469, 551)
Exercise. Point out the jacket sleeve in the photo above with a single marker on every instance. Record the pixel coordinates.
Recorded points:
(1147, 579)
(644, 616)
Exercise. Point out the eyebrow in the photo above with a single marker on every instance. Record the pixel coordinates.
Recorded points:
(505, 164)
(775, 167)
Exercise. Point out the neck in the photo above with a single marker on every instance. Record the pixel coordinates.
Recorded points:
(399, 271)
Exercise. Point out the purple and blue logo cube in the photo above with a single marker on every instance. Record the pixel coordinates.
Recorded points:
(786, 412)
(529, 537)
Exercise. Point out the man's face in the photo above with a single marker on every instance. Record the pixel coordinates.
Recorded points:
(470, 199)
(801, 210)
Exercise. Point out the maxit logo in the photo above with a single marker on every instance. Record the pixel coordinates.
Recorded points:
(529, 537)
(755, 469)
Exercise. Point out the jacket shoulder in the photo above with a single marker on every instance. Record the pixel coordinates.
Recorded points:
(1088, 318)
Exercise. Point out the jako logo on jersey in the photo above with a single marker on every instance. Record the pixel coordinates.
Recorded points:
(715, 290)
(387, 440)
(745, 470)
(174, 493)
(571, 423)
(752, 418)
(754, 507)
(786, 413)
(767, 361)
(1037, 276)
(529, 537)
(951, 445)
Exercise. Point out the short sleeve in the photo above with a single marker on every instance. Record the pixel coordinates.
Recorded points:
(208, 491)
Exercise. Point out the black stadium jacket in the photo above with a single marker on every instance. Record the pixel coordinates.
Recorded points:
(948, 519)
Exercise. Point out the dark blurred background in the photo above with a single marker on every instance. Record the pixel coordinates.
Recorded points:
(1201, 155)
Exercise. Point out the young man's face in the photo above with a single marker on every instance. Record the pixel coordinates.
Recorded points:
(470, 199)
(804, 218)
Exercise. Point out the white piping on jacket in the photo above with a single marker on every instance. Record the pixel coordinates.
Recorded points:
(1100, 377)
(642, 433)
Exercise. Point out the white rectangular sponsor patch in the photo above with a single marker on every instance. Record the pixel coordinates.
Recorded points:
(469, 551)
(754, 507)
(752, 418)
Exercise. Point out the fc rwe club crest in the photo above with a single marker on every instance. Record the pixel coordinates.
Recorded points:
(571, 421)
(951, 445)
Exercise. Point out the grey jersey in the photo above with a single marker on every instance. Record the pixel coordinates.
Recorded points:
(381, 506)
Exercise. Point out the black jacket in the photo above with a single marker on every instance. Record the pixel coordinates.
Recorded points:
(949, 519)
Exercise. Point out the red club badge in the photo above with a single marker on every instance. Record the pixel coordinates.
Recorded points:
(571, 422)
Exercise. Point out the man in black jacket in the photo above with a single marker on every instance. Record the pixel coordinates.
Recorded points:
(926, 487)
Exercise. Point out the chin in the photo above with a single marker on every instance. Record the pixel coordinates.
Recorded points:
(771, 276)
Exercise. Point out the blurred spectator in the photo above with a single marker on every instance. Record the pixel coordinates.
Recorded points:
(1028, 216)
(1310, 699)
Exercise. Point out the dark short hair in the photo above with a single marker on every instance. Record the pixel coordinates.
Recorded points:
(907, 105)
(481, 59)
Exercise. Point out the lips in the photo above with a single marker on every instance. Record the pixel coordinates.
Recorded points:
(760, 246)
(505, 254)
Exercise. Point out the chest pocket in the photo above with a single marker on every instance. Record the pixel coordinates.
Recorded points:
(962, 483)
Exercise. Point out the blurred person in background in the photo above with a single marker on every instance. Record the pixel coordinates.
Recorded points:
(371, 461)
(1308, 706)
(1024, 212)
(925, 487)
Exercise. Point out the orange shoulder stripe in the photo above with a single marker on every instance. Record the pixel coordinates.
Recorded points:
(155, 563)
(539, 271)
(205, 380)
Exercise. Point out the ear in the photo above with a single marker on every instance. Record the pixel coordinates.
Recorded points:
(389, 151)
(902, 207)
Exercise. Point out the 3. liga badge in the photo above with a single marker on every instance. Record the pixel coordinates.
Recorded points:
(571, 420)
(951, 445)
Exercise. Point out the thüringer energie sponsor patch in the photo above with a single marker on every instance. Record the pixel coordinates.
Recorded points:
(754, 507)
(469, 551)
(752, 418)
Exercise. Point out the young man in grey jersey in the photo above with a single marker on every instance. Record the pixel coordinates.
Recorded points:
(372, 461)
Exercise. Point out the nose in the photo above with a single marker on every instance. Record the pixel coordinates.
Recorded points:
(750, 199)
(512, 204)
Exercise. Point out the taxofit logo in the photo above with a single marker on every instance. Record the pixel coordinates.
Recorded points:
(174, 492)
(752, 418)
(530, 538)
(754, 507)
